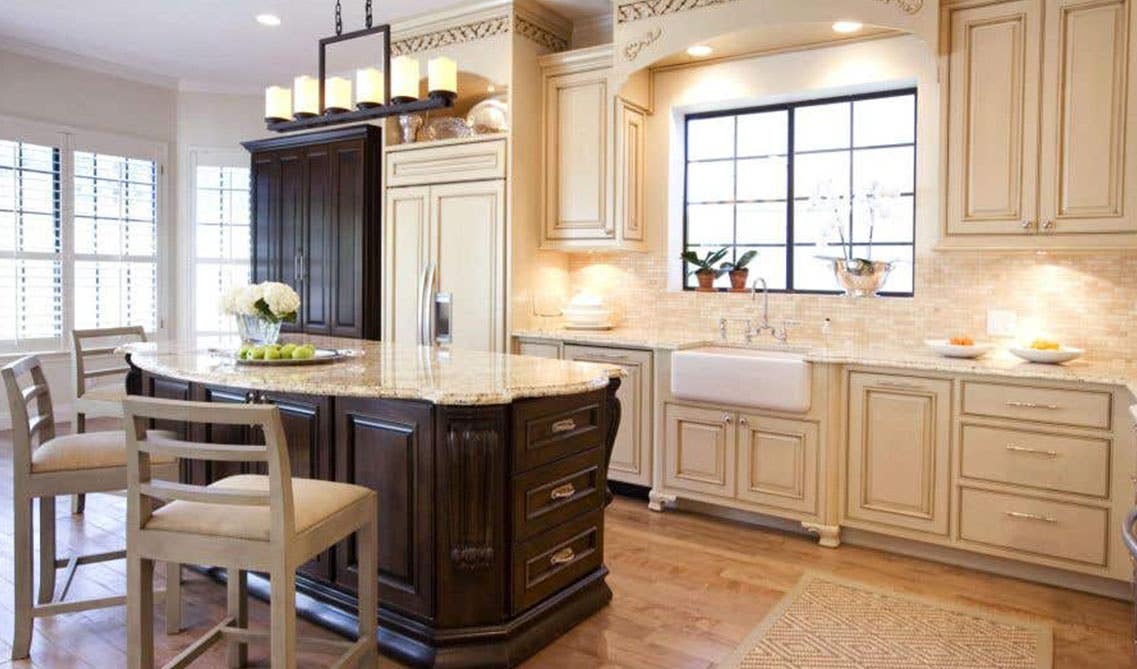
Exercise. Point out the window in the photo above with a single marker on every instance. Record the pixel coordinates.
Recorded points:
(79, 236)
(797, 181)
(31, 309)
(116, 241)
(221, 239)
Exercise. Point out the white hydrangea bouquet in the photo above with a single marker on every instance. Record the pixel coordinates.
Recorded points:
(260, 309)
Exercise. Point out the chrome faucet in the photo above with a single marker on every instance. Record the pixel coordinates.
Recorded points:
(751, 332)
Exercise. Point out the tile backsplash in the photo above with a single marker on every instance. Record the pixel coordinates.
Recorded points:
(1083, 300)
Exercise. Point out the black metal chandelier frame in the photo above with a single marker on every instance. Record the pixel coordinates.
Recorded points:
(363, 111)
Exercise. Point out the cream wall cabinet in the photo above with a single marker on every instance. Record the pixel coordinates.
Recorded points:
(460, 225)
(899, 431)
(631, 455)
(593, 156)
(1038, 103)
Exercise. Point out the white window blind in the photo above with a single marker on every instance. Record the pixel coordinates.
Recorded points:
(116, 240)
(221, 241)
(31, 304)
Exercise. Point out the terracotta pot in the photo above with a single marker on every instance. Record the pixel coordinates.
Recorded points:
(738, 280)
(706, 279)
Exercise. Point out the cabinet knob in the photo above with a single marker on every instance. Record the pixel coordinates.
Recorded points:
(1049, 225)
(726, 418)
(742, 420)
(1027, 225)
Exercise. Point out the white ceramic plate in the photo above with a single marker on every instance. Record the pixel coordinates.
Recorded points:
(950, 350)
(322, 356)
(1064, 354)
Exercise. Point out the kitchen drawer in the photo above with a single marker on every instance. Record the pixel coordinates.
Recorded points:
(1055, 462)
(548, 562)
(448, 163)
(1043, 405)
(548, 429)
(548, 496)
(1036, 526)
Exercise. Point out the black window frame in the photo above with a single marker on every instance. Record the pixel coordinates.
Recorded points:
(791, 198)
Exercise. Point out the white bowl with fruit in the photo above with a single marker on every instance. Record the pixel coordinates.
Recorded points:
(285, 354)
(959, 347)
(1046, 351)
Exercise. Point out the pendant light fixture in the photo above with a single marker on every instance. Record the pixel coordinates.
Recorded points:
(389, 90)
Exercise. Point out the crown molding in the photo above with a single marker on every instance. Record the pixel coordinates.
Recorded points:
(88, 63)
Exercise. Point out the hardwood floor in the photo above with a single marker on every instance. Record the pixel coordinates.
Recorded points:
(687, 589)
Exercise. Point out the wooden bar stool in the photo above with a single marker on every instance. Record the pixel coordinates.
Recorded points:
(243, 523)
(44, 466)
(98, 400)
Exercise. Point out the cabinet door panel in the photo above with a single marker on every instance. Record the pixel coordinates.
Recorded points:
(345, 251)
(700, 450)
(631, 454)
(1085, 107)
(576, 152)
(265, 198)
(630, 171)
(993, 118)
(407, 247)
(468, 233)
(315, 234)
(386, 446)
(291, 226)
(899, 437)
(778, 463)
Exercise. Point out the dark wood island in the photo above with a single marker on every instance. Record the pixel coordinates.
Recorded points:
(491, 475)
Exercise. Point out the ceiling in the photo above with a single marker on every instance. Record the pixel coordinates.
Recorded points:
(203, 44)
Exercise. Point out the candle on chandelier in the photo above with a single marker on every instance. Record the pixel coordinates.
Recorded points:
(305, 97)
(337, 95)
(278, 104)
(442, 77)
(404, 79)
(369, 88)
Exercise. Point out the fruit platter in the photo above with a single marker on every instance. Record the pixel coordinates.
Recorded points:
(959, 347)
(1046, 351)
(271, 355)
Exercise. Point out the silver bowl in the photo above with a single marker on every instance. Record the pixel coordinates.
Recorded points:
(859, 277)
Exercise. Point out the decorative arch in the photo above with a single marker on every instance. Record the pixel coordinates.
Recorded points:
(647, 30)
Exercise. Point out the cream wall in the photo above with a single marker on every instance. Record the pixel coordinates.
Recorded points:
(1085, 300)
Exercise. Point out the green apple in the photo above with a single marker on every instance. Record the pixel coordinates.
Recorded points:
(272, 353)
(304, 352)
(243, 354)
(286, 350)
(258, 353)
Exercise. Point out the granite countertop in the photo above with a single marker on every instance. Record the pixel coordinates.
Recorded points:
(997, 363)
(450, 377)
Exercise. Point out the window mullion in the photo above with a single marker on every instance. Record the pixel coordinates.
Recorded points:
(67, 234)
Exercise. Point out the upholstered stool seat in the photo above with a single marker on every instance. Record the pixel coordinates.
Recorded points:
(313, 502)
(86, 450)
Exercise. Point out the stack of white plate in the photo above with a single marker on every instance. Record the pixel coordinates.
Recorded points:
(587, 312)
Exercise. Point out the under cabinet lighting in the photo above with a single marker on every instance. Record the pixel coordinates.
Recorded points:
(699, 51)
(847, 27)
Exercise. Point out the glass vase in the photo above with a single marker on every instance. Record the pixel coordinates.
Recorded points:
(257, 330)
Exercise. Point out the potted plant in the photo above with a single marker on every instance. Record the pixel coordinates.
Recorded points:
(704, 268)
(260, 309)
(739, 271)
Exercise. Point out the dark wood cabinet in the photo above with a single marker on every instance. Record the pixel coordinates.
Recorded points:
(316, 208)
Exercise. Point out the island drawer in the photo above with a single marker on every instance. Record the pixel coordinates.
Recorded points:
(551, 561)
(1038, 526)
(548, 429)
(548, 496)
(1044, 405)
(1055, 462)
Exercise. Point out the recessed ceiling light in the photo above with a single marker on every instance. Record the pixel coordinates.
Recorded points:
(699, 51)
(268, 19)
(846, 27)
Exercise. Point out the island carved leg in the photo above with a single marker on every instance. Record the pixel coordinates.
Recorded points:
(614, 415)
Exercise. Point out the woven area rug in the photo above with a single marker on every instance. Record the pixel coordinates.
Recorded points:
(826, 623)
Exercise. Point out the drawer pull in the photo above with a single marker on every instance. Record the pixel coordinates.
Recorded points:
(1032, 405)
(566, 425)
(1019, 515)
(563, 556)
(615, 357)
(1032, 451)
(562, 492)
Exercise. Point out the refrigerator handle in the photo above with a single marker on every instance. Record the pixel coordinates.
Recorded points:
(425, 305)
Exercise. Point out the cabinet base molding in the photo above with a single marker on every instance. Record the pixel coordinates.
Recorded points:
(1095, 585)
(657, 501)
(828, 536)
